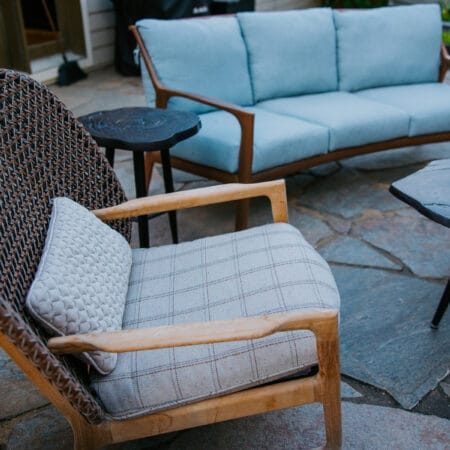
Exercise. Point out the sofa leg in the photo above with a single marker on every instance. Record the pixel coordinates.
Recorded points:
(242, 210)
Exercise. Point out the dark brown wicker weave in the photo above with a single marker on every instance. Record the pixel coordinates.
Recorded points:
(44, 153)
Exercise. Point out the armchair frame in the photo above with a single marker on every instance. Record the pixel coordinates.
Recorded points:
(246, 122)
(323, 387)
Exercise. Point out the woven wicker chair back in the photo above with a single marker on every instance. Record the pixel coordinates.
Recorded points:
(44, 153)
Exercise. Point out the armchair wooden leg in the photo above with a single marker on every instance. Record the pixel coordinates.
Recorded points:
(242, 212)
(330, 382)
(89, 437)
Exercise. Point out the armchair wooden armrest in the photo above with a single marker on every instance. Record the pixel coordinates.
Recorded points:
(445, 62)
(274, 190)
(322, 322)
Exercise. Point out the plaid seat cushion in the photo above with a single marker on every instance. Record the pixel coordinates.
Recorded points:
(267, 269)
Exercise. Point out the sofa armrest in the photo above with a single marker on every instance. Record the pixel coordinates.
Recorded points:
(445, 62)
(274, 190)
(322, 322)
(245, 118)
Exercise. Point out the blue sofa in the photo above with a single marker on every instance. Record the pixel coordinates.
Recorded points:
(280, 91)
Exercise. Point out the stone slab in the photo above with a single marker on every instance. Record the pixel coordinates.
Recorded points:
(347, 250)
(312, 228)
(17, 393)
(44, 429)
(365, 427)
(386, 340)
(446, 388)
(419, 243)
(399, 157)
(348, 193)
(348, 392)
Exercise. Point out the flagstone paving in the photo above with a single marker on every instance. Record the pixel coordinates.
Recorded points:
(390, 264)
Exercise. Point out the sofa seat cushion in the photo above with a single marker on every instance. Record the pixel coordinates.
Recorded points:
(82, 280)
(388, 46)
(290, 52)
(351, 119)
(427, 104)
(263, 270)
(278, 140)
(201, 56)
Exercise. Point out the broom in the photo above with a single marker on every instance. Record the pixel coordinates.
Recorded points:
(69, 71)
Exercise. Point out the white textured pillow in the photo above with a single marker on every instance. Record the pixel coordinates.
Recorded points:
(82, 279)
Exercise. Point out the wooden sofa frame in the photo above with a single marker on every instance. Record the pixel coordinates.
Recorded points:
(322, 387)
(246, 122)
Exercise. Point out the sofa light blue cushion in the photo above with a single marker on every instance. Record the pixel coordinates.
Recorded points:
(427, 104)
(388, 46)
(290, 52)
(278, 140)
(201, 56)
(351, 119)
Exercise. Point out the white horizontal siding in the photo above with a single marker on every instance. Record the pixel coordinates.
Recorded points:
(277, 5)
(102, 20)
(99, 5)
(103, 55)
(100, 38)
(102, 31)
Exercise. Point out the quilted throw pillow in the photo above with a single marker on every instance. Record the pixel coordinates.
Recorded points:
(82, 279)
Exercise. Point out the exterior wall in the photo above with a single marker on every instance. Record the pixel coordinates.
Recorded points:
(101, 20)
(271, 5)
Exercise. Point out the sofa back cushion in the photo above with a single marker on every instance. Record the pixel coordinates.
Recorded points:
(201, 56)
(290, 52)
(388, 46)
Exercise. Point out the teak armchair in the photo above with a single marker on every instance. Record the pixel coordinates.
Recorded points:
(46, 153)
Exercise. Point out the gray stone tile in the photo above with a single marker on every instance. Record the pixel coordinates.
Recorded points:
(44, 429)
(347, 250)
(323, 170)
(296, 184)
(348, 392)
(446, 388)
(365, 427)
(399, 157)
(313, 229)
(386, 340)
(421, 244)
(347, 194)
(17, 393)
(338, 224)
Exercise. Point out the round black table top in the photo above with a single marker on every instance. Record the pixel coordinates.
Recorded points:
(140, 128)
(428, 191)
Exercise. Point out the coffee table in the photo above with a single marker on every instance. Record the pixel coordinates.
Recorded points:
(428, 191)
(140, 130)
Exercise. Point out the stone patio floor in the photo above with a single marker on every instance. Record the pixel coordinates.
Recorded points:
(344, 210)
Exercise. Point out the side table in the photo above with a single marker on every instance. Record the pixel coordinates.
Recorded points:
(141, 130)
(428, 191)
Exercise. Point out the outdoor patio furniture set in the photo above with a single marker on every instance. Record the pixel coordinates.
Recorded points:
(150, 341)
(281, 91)
(226, 318)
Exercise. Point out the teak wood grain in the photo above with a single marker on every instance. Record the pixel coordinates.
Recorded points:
(191, 334)
(275, 191)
